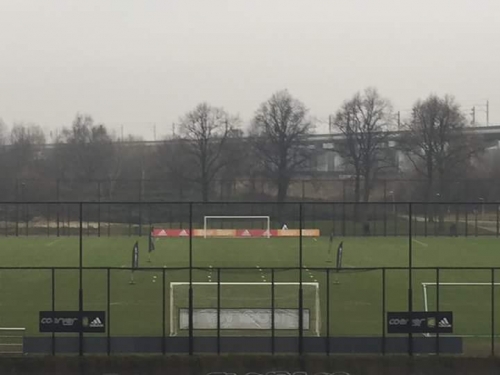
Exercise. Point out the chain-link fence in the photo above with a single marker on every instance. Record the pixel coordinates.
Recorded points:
(311, 188)
(250, 277)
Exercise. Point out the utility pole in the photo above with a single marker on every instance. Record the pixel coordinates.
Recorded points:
(330, 123)
(473, 114)
(154, 131)
(399, 120)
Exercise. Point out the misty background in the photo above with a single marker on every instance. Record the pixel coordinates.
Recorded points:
(140, 65)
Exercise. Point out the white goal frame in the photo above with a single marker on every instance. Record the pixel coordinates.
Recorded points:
(434, 284)
(267, 218)
(317, 306)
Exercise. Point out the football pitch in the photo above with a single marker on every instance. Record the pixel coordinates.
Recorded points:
(351, 303)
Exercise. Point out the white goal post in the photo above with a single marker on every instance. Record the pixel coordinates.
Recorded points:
(246, 317)
(266, 218)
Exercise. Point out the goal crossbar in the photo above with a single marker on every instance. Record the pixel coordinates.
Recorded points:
(223, 217)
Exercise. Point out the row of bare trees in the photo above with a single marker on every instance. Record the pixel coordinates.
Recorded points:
(212, 145)
(433, 145)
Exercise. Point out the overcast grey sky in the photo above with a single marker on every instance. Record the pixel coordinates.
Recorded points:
(145, 62)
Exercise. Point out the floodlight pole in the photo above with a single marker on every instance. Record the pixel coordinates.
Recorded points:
(80, 292)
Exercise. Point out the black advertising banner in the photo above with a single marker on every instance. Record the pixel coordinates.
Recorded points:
(421, 322)
(71, 321)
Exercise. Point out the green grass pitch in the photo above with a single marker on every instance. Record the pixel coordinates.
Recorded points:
(355, 302)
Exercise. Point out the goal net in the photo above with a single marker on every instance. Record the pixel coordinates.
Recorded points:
(245, 308)
(470, 302)
(225, 226)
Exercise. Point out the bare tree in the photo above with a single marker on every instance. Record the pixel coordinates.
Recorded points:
(26, 141)
(89, 148)
(3, 133)
(278, 130)
(435, 143)
(202, 149)
(364, 121)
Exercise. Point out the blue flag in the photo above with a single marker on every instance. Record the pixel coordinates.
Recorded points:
(339, 255)
(135, 255)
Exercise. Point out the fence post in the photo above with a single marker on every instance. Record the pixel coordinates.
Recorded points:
(99, 208)
(17, 219)
(343, 219)
(130, 220)
(383, 312)
(438, 349)
(498, 221)
(27, 214)
(68, 207)
(218, 311)
(163, 348)
(475, 222)
(140, 219)
(333, 219)
(48, 219)
(385, 208)
(410, 280)
(425, 219)
(6, 227)
(109, 219)
(53, 277)
(190, 278)
(58, 207)
(301, 306)
(493, 312)
(396, 206)
(108, 307)
(466, 221)
(272, 313)
(327, 311)
(80, 292)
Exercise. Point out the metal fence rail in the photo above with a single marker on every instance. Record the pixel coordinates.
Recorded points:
(347, 219)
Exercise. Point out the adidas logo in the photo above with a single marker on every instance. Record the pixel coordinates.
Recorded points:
(96, 323)
(162, 233)
(246, 233)
(444, 323)
(183, 233)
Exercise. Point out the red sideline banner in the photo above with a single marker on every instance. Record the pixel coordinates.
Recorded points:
(236, 233)
(255, 233)
(170, 233)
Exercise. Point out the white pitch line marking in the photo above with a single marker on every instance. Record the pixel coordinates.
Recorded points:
(53, 242)
(420, 243)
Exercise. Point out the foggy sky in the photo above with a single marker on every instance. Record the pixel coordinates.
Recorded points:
(142, 62)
